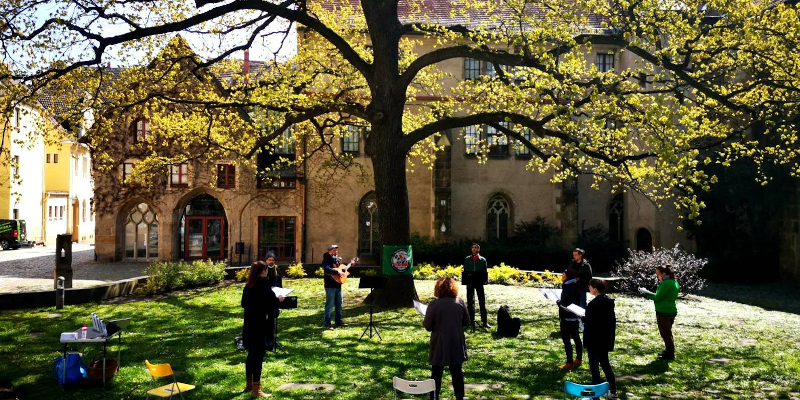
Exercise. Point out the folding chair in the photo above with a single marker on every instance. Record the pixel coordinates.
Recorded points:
(160, 371)
(585, 391)
(414, 387)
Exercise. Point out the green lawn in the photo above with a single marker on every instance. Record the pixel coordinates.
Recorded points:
(194, 331)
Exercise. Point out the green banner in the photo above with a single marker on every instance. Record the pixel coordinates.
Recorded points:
(397, 260)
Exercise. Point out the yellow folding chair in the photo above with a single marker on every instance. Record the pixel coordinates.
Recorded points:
(168, 390)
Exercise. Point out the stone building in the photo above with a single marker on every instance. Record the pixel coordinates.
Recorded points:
(188, 216)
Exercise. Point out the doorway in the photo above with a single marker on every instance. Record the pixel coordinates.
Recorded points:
(204, 237)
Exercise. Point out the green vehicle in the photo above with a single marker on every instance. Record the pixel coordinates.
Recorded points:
(12, 234)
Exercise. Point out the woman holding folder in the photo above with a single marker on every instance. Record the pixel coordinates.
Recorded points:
(666, 309)
(570, 294)
(259, 303)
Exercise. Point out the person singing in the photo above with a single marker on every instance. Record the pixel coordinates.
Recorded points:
(476, 275)
(259, 303)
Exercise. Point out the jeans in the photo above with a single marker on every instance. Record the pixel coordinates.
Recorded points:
(458, 380)
(333, 298)
(596, 361)
(665, 329)
(569, 330)
(255, 361)
(471, 290)
(583, 299)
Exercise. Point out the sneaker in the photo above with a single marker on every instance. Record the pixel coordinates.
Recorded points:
(328, 327)
(566, 366)
(486, 325)
(342, 325)
(577, 362)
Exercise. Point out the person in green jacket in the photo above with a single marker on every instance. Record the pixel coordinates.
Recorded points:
(666, 310)
(476, 275)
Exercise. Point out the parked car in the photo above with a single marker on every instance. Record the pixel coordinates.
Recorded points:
(12, 234)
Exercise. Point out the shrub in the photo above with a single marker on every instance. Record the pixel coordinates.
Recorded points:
(639, 269)
(296, 271)
(241, 275)
(505, 275)
(430, 271)
(166, 276)
(371, 272)
(451, 271)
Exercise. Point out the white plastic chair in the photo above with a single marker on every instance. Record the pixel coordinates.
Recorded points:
(414, 387)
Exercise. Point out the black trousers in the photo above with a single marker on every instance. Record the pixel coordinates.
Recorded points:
(597, 360)
(569, 330)
(255, 361)
(471, 289)
(458, 380)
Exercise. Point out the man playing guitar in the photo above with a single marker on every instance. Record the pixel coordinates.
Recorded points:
(335, 275)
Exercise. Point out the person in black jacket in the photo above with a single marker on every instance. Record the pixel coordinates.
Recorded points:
(584, 269)
(274, 277)
(259, 303)
(446, 318)
(570, 294)
(599, 332)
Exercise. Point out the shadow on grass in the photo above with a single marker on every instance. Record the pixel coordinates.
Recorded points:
(776, 296)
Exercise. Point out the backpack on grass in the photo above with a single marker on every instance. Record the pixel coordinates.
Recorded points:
(507, 326)
(76, 369)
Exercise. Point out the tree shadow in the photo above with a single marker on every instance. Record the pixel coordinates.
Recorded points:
(775, 296)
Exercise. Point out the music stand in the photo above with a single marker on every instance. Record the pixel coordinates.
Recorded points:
(289, 303)
(371, 282)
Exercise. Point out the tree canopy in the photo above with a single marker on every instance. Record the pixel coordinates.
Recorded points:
(704, 82)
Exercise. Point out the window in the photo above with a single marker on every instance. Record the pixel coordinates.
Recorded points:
(350, 139)
(142, 130)
(498, 141)
(520, 148)
(15, 167)
(16, 213)
(76, 165)
(61, 212)
(49, 213)
(179, 175)
(472, 138)
(643, 79)
(127, 170)
(16, 119)
(616, 218)
(276, 234)
(497, 215)
(605, 62)
(226, 176)
(83, 212)
(275, 169)
(472, 68)
(48, 158)
(490, 72)
(286, 144)
(55, 158)
(84, 163)
(141, 233)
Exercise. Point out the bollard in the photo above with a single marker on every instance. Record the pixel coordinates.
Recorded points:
(60, 293)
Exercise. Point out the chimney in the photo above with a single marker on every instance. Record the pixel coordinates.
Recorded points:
(246, 68)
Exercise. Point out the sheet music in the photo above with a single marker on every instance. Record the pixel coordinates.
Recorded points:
(421, 308)
(551, 294)
(575, 309)
(279, 291)
(645, 291)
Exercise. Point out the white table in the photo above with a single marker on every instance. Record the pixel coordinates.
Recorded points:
(93, 336)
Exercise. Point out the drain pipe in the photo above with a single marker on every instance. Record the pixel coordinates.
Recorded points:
(304, 246)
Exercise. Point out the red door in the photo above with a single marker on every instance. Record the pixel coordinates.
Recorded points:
(204, 238)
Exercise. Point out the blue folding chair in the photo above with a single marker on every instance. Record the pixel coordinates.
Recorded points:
(585, 391)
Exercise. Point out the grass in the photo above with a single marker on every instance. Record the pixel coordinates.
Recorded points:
(193, 330)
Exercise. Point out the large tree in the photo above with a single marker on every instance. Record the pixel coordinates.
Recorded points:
(719, 77)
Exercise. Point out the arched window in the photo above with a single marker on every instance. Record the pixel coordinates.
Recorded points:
(497, 216)
(368, 225)
(615, 218)
(141, 233)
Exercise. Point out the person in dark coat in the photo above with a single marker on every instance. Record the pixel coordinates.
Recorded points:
(476, 275)
(599, 333)
(445, 319)
(570, 294)
(584, 269)
(259, 303)
(274, 277)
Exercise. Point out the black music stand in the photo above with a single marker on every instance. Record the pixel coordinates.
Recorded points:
(289, 303)
(371, 282)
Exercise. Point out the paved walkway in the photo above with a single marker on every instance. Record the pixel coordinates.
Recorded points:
(30, 270)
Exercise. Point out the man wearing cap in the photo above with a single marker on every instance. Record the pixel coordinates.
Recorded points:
(333, 289)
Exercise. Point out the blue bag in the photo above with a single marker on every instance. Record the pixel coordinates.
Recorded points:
(76, 369)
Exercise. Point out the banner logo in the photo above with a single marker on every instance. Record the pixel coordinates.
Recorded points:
(400, 261)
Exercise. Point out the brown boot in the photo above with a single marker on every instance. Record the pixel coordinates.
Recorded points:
(257, 391)
(249, 386)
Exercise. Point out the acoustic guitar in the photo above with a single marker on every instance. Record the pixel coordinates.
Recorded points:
(342, 278)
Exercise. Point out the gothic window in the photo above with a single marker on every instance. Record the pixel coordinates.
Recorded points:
(615, 218)
(497, 216)
(141, 233)
(368, 225)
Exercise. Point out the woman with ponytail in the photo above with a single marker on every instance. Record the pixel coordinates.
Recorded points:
(666, 309)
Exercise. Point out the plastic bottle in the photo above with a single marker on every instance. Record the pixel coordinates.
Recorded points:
(83, 332)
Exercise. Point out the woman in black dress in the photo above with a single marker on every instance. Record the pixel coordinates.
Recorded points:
(259, 303)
